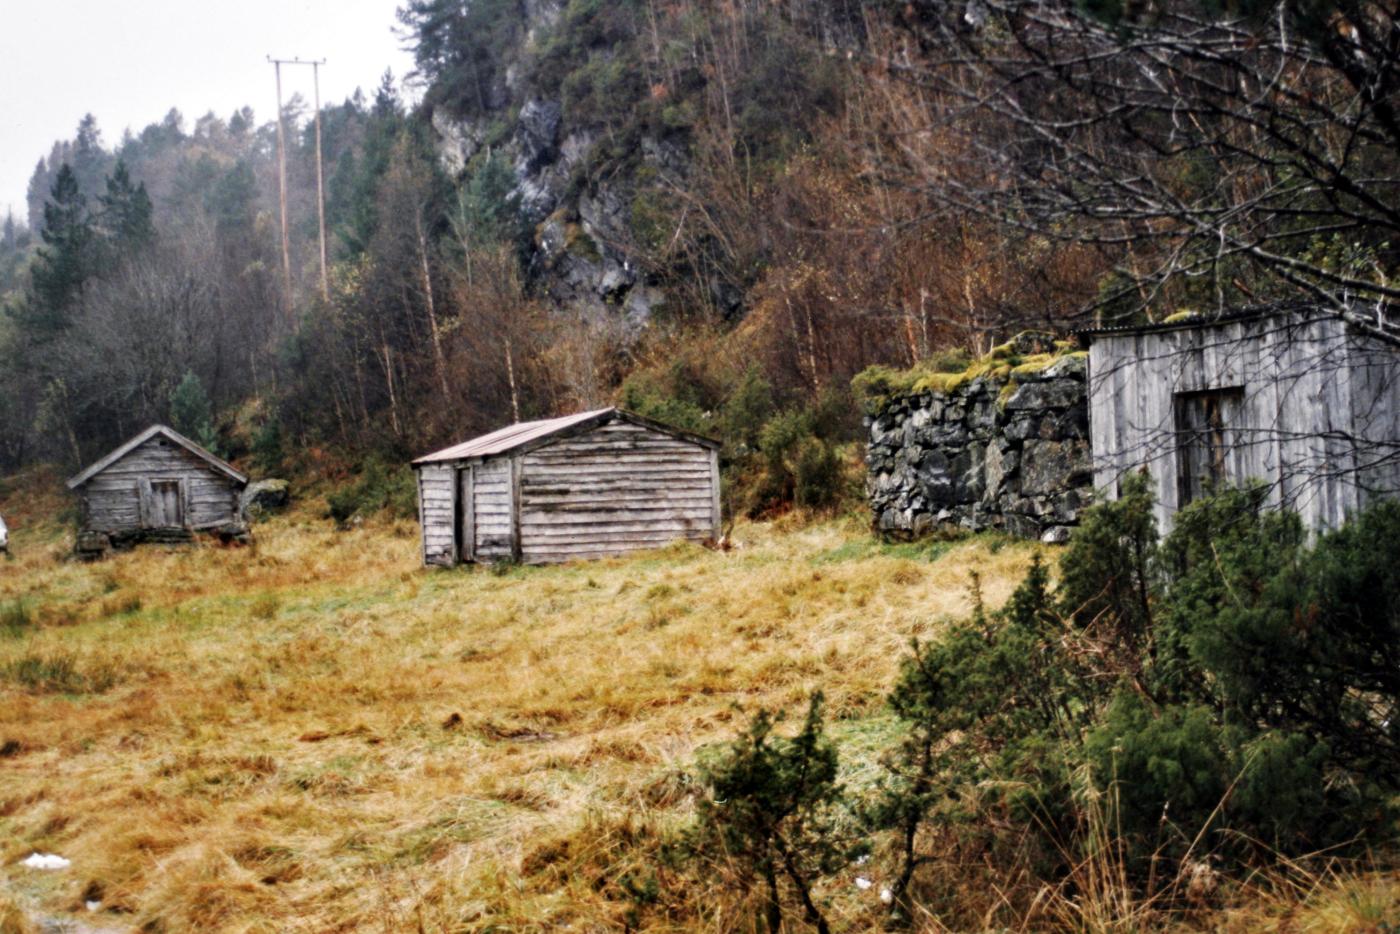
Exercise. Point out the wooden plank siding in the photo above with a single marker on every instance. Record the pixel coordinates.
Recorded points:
(112, 497)
(437, 513)
(1298, 377)
(618, 488)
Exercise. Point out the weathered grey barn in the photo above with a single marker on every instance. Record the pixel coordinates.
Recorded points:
(159, 484)
(588, 485)
(1304, 400)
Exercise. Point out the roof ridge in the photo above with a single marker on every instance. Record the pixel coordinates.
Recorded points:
(131, 444)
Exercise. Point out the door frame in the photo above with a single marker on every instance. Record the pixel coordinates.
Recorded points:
(464, 513)
(146, 502)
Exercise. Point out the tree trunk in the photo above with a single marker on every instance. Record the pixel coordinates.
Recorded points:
(510, 377)
(389, 384)
(439, 359)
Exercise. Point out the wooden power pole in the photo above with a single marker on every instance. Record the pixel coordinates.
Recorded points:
(277, 64)
(320, 187)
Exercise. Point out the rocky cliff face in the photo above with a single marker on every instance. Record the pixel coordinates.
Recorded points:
(1006, 453)
(584, 258)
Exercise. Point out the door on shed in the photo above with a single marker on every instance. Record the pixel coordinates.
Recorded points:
(1206, 427)
(465, 518)
(165, 505)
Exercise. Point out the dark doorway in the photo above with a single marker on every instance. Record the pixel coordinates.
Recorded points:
(1207, 424)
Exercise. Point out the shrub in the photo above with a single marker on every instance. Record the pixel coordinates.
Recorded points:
(770, 815)
(798, 457)
(1231, 689)
(379, 487)
(268, 452)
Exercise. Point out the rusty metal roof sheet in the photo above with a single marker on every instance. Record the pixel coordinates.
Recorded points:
(509, 437)
(535, 434)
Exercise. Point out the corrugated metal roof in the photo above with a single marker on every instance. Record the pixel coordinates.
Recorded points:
(1198, 320)
(1380, 328)
(510, 437)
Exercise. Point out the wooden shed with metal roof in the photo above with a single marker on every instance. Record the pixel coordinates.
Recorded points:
(589, 485)
(161, 485)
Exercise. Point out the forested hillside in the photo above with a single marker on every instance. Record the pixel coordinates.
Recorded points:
(716, 213)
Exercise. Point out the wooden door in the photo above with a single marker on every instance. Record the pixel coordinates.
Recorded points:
(167, 506)
(1206, 425)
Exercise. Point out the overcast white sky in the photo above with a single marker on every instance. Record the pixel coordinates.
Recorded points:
(129, 61)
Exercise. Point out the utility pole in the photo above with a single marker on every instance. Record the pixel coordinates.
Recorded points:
(320, 189)
(282, 191)
(315, 64)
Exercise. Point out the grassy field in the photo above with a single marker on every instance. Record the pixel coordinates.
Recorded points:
(315, 734)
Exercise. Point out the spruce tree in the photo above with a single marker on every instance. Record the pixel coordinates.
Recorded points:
(126, 215)
(64, 262)
(191, 412)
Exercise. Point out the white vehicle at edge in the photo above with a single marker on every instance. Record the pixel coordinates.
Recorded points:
(4, 535)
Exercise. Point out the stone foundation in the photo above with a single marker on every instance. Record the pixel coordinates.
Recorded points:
(94, 546)
(1006, 451)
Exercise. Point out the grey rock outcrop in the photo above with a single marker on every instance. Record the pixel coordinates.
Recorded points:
(994, 453)
(585, 256)
(262, 497)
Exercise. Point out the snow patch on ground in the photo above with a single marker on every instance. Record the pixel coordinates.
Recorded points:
(46, 861)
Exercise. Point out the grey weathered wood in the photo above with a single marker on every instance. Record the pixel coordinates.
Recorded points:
(158, 480)
(515, 510)
(715, 518)
(1318, 419)
(611, 485)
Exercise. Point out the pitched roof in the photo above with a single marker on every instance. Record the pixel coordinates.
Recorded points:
(218, 464)
(536, 433)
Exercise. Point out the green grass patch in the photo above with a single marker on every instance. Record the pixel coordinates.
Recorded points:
(928, 549)
(15, 618)
(59, 673)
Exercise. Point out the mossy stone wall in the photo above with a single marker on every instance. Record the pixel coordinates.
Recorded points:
(1007, 449)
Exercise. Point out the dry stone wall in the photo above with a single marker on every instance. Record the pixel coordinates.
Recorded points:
(1006, 453)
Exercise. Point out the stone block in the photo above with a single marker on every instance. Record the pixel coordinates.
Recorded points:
(935, 479)
(1051, 394)
(1051, 466)
(1024, 425)
(1070, 366)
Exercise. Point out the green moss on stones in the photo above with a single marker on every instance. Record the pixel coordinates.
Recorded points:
(950, 370)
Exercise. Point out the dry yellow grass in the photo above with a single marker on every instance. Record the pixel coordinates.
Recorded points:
(315, 734)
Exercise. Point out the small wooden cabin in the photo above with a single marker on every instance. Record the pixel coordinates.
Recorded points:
(588, 485)
(159, 484)
(1304, 400)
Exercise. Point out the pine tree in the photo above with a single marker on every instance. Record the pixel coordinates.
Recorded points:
(89, 160)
